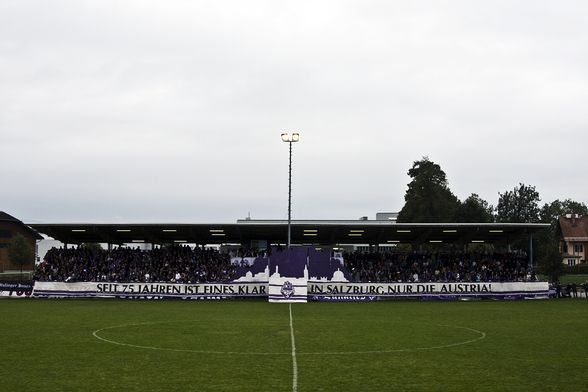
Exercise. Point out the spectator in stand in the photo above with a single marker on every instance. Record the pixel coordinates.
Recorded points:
(438, 267)
(168, 264)
(183, 264)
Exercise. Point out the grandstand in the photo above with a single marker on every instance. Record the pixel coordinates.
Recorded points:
(261, 261)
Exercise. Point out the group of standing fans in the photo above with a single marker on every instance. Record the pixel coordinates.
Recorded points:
(439, 267)
(183, 264)
(176, 264)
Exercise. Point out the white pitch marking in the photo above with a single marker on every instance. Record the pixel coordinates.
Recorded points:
(97, 336)
(481, 333)
(293, 353)
(294, 363)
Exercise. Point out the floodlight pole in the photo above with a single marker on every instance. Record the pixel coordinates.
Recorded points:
(289, 194)
(290, 138)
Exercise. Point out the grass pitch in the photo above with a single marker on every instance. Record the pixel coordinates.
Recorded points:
(112, 345)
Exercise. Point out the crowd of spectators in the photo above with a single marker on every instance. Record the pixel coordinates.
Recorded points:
(183, 264)
(438, 267)
(177, 264)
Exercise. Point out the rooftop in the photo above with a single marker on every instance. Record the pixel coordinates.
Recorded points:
(323, 232)
(574, 226)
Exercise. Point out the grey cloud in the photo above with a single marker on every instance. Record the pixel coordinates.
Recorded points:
(147, 110)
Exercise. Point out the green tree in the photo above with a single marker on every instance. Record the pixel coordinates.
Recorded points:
(474, 209)
(428, 198)
(20, 251)
(550, 212)
(550, 260)
(519, 205)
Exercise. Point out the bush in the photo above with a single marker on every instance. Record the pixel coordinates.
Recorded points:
(577, 269)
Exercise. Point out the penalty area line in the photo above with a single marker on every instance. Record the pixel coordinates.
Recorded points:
(294, 363)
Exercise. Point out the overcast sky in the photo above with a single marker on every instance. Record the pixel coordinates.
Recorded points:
(171, 111)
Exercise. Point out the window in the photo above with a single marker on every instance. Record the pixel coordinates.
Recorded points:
(571, 262)
(5, 234)
(578, 248)
(565, 248)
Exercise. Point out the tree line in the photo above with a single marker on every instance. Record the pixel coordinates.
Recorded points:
(429, 199)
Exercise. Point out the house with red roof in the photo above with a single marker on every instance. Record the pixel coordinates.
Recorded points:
(574, 239)
(9, 227)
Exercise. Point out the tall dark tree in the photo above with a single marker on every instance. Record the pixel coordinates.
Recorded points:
(550, 258)
(550, 212)
(20, 251)
(475, 209)
(428, 198)
(519, 205)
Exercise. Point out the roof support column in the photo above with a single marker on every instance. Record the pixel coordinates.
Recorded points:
(531, 251)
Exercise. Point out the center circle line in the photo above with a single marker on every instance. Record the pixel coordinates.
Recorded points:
(96, 334)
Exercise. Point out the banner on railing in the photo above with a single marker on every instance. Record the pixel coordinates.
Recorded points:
(16, 290)
(330, 291)
(150, 290)
(289, 290)
(288, 281)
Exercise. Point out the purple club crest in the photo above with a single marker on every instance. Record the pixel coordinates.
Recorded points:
(287, 289)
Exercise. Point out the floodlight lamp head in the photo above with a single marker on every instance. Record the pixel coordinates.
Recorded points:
(295, 136)
(285, 137)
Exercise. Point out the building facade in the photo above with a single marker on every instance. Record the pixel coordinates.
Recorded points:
(574, 239)
(9, 227)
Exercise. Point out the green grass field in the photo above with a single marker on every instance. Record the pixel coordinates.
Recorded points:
(118, 345)
(579, 279)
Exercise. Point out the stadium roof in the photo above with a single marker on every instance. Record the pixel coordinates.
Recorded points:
(323, 232)
(4, 217)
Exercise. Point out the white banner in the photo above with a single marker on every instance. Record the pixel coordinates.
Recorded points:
(319, 290)
(285, 289)
(150, 290)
